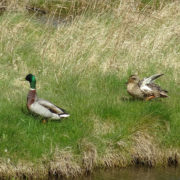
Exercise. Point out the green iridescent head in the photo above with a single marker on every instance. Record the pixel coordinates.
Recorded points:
(32, 80)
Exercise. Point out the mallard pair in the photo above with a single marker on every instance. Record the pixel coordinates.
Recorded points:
(142, 89)
(145, 89)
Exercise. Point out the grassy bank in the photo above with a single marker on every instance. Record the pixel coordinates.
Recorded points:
(82, 66)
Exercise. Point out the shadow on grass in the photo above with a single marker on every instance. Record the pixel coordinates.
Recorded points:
(129, 99)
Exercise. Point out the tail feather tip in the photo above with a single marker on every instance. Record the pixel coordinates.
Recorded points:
(64, 115)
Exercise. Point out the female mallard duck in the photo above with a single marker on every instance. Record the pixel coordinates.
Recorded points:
(42, 107)
(145, 89)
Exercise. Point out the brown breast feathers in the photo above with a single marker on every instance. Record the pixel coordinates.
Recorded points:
(31, 97)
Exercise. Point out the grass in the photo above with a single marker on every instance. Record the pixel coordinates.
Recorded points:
(77, 7)
(82, 66)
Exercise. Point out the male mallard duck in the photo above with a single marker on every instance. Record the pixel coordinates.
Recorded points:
(145, 89)
(40, 106)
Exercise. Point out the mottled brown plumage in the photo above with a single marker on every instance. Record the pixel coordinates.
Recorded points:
(145, 89)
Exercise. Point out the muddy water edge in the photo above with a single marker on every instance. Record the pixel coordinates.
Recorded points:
(135, 173)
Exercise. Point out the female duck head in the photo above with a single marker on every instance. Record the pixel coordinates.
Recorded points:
(32, 80)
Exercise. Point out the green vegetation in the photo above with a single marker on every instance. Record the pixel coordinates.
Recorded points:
(82, 66)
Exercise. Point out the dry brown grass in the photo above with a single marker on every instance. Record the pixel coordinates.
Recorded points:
(64, 165)
(21, 170)
(90, 156)
(102, 128)
(135, 39)
(114, 158)
(146, 152)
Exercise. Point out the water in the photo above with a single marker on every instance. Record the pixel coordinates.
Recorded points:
(135, 174)
(52, 21)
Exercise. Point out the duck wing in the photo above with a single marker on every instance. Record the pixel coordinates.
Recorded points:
(146, 85)
(155, 87)
(51, 107)
(151, 79)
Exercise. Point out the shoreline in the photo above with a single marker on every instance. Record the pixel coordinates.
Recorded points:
(144, 153)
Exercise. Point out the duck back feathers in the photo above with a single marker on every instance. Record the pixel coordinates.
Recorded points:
(43, 107)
